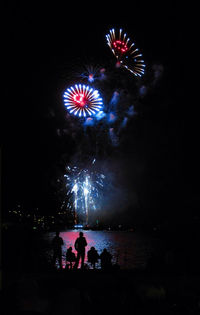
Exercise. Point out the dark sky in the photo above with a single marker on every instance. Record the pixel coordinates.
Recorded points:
(42, 43)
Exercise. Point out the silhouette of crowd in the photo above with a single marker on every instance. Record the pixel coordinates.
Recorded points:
(73, 260)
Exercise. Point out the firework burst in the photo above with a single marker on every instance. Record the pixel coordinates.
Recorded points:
(83, 101)
(84, 187)
(125, 51)
(91, 73)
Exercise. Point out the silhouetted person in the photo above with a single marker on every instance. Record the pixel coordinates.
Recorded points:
(70, 257)
(105, 259)
(80, 245)
(57, 249)
(93, 256)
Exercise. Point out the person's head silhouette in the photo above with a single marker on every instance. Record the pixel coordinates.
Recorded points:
(57, 233)
(81, 234)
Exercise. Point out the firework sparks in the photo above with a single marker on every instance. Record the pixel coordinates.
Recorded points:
(82, 100)
(126, 53)
(91, 73)
(84, 186)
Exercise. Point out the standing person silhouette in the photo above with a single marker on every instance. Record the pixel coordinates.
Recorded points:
(80, 245)
(57, 249)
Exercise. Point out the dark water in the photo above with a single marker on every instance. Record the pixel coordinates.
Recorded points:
(129, 249)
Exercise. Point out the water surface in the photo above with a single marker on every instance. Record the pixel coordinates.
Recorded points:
(129, 249)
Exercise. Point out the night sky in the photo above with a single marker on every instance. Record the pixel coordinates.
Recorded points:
(44, 47)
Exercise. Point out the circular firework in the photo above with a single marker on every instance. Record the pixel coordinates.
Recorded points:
(83, 101)
(125, 52)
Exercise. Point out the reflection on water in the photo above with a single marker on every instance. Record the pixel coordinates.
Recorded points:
(129, 249)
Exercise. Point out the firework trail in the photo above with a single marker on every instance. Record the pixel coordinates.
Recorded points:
(84, 189)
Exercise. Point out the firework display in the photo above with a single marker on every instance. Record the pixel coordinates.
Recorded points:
(82, 100)
(125, 51)
(84, 188)
(100, 130)
(91, 73)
